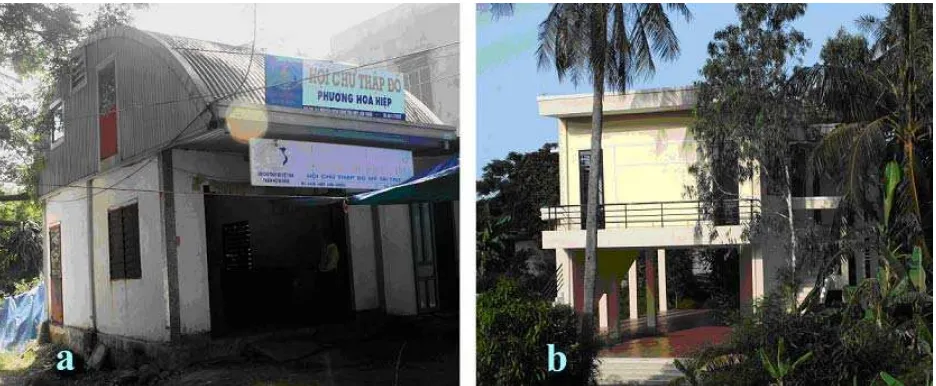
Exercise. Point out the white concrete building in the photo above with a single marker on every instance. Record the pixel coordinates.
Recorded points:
(156, 237)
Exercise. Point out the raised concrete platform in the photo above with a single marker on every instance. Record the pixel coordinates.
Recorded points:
(641, 371)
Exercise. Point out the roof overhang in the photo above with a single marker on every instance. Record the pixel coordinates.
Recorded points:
(317, 126)
(633, 102)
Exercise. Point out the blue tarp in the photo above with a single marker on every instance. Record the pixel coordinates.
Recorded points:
(20, 317)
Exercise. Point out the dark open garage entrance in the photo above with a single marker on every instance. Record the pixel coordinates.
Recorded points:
(275, 264)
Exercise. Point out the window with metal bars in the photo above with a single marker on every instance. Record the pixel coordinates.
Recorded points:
(238, 254)
(123, 228)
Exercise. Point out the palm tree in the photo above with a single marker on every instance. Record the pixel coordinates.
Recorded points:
(883, 96)
(614, 44)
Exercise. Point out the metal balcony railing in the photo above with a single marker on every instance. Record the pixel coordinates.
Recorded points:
(652, 214)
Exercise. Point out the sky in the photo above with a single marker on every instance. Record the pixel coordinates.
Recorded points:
(303, 30)
(509, 81)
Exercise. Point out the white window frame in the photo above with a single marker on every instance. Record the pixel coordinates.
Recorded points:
(57, 104)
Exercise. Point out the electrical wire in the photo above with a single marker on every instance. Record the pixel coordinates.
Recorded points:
(193, 193)
(243, 82)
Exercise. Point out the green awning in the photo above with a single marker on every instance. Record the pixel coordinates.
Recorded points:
(439, 184)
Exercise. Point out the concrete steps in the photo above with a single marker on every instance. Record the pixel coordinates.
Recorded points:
(636, 371)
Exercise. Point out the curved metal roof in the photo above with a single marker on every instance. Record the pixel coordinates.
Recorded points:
(218, 70)
(222, 68)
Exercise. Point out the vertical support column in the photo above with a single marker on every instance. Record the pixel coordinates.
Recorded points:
(564, 292)
(632, 291)
(602, 300)
(661, 276)
(167, 198)
(91, 284)
(578, 283)
(378, 258)
(614, 304)
(651, 291)
(753, 283)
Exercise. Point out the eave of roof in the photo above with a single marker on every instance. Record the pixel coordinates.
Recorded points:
(632, 102)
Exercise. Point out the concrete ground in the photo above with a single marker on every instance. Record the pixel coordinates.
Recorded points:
(411, 352)
(678, 333)
(676, 344)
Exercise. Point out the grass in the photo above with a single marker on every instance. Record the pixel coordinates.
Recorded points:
(17, 362)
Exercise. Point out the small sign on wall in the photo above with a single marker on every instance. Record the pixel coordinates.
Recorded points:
(324, 165)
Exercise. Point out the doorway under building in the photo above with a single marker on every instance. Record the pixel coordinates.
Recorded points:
(275, 263)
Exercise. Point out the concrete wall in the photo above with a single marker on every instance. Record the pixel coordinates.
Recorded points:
(69, 208)
(363, 258)
(136, 308)
(191, 170)
(431, 76)
(399, 277)
(646, 158)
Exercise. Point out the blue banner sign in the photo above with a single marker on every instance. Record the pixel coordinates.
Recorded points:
(328, 86)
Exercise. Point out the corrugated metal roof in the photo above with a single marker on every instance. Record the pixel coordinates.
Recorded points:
(222, 67)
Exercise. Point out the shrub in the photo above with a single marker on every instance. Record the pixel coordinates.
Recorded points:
(844, 350)
(514, 329)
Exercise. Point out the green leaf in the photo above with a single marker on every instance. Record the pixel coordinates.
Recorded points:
(804, 358)
(767, 365)
(891, 381)
(892, 178)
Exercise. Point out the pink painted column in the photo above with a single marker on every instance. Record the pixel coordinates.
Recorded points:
(614, 304)
(651, 284)
(578, 284)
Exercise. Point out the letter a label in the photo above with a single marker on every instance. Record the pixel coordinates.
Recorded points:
(66, 361)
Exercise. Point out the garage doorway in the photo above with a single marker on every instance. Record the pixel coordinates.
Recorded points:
(275, 263)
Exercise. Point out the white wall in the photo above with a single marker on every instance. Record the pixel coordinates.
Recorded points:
(135, 308)
(363, 258)
(399, 278)
(69, 208)
(190, 171)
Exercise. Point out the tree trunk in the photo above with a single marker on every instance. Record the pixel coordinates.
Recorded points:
(789, 202)
(591, 216)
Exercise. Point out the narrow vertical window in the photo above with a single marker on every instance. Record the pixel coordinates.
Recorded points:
(58, 123)
(107, 109)
(584, 172)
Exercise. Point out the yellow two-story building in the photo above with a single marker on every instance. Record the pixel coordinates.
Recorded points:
(647, 149)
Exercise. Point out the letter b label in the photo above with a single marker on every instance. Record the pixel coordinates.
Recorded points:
(553, 354)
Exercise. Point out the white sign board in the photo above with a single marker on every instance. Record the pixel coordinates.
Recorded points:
(325, 165)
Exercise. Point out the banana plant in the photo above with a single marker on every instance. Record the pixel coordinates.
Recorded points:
(782, 368)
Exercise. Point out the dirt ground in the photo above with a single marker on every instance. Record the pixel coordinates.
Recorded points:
(410, 354)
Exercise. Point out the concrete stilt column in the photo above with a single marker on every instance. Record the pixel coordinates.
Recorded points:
(651, 290)
(661, 277)
(753, 280)
(614, 304)
(578, 284)
(602, 300)
(632, 290)
(564, 290)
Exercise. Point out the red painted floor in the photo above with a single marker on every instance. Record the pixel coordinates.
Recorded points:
(674, 344)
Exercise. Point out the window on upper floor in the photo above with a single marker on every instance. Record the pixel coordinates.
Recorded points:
(78, 71)
(58, 123)
(107, 108)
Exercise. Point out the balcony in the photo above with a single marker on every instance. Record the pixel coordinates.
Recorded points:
(658, 214)
(650, 224)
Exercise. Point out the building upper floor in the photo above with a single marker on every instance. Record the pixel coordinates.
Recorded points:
(648, 149)
(128, 94)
